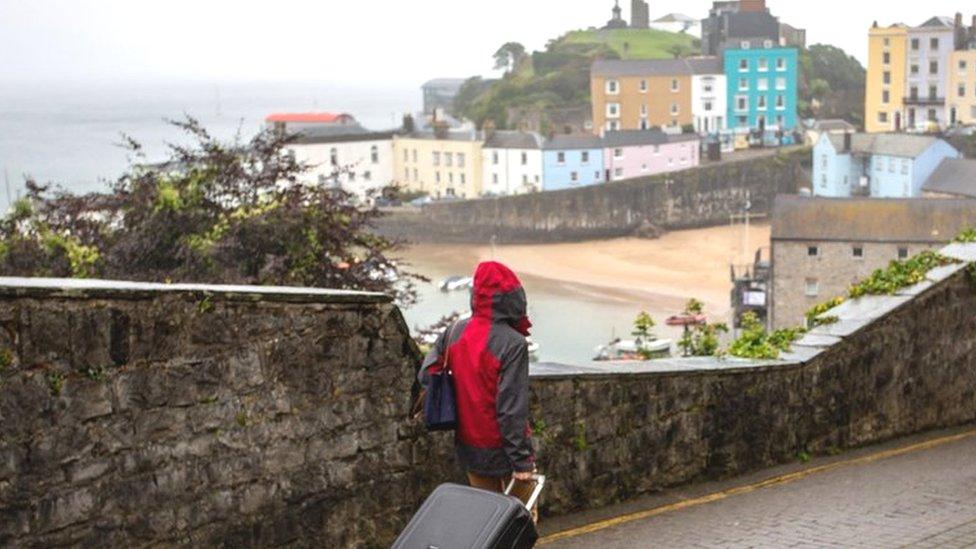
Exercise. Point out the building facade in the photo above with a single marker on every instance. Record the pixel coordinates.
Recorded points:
(876, 165)
(962, 87)
(730, 22)
(630, 154)
(761, 85)
(571, 161)
(439, 94)
(885, 84)
(821, 246)
(360, 164)
(512, 163)
(929, 49)
(708, 101)
(443, 166)
(643, 94)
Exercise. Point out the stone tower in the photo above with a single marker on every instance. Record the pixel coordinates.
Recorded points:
(617, 22)
(640, 15)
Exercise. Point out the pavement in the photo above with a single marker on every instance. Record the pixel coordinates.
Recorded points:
(915, 492)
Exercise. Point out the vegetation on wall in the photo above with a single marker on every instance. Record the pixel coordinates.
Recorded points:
(899, 274)
(814, 315)
(701, 339)
(214, 212)
(755, 342)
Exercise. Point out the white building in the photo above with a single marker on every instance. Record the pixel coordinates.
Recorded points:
(929, 48)
(360, 162)
(512, 163)
(678, 22)
(708, 99)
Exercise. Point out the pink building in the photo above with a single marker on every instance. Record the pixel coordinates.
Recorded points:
(638, 153)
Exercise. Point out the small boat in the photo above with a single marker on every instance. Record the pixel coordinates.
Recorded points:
(630, 349)
(686, 320)
(454, 283)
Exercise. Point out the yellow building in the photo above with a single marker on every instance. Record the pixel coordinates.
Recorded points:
(448, 165)
(641, 94)
(961, 95)
(885, 91)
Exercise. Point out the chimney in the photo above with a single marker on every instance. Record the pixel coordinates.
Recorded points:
(958, 20)
(408, 124)
(848, 138)
(752, 5)
(973, 28)
(441, 129)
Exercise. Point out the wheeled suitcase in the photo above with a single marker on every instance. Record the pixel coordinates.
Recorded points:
(461, 517)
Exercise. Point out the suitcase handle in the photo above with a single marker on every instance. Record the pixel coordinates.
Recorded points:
(540, 482)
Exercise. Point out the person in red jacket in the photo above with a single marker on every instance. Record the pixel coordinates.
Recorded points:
(488, 355)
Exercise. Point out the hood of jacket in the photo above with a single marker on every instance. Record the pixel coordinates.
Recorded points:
(498, 296)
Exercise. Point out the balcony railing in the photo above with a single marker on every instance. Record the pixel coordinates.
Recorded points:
(926, 100)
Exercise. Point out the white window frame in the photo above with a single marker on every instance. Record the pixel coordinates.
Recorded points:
(763, 65)
(742, 103)
(811, 287)
(618, 153)
(612, 87)
(762, 84)
(613, 110)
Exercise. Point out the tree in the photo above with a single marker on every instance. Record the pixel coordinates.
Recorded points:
(509, 56)
(214, 212)
(643, 325)
(701, 339)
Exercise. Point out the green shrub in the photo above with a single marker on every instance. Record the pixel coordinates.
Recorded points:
(755, 342)
(899, 274)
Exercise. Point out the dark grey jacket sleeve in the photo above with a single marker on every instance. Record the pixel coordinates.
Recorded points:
(513, 409)
(434, 357)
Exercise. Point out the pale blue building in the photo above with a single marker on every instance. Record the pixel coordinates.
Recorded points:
(570, 161)
(878, 165)
(762, 87)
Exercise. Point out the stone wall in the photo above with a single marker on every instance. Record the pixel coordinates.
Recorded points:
(699, 197)
(143, 414)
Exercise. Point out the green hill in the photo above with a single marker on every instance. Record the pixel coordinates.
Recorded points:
(558, 77)
(637, 43)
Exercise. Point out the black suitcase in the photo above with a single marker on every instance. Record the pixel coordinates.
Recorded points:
(461, 517)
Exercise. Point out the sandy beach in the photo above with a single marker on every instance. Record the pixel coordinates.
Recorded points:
(667, 271)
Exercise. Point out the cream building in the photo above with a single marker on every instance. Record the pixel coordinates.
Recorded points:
(962, 87)
(885, 88)
(446, 164)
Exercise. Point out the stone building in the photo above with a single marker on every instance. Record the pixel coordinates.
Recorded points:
(640, 17)
(439, 94)
(616, 20)
(821, 246)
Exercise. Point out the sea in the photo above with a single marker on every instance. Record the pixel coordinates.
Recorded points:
(67, 134)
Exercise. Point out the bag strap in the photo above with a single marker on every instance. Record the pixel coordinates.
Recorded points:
(447, 347)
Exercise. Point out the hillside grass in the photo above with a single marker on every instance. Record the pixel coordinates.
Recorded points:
(635, 43)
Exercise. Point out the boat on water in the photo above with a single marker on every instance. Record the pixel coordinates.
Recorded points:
(686, 320)
(455, 283)
(633, 349)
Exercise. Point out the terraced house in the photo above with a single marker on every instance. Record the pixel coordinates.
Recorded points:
(443, 164)
(762, 90)
(643, 94)
(887, 63)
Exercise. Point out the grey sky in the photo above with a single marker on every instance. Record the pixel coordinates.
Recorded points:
(346, 41)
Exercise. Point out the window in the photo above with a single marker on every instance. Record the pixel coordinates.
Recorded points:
(741, 103)
(780, 64)
(858, 251)
(780, 121)
(374, 154)
(768, 44)
(406, 174)
(436, 158)
(780, 83)
(743, 65)
(334, 156)
(368, 176)
(762, 84)
(962, 90)
(887, 42)
(643, 110)
(618, 172)
(613, 87)
(879, 164)
(525, 179)
(813, 251)
(913, 69)
(449, 159)
(886, 58)
(525, 158)
(913, 92)
(915, 44)
(904, 166)
(823, 161)
(463, 179)
(885, 96)
(644, 167)
(761, 102)
(657, 149)
(460, 160)
(744, 44)
(812, 287)
(763, 64)
(596, 176)
(415, 178)
(613, 125)
(933, 67)
(674, 84)
(613, 110)
(561, 157)
(618, 153)
(902, 253)
(886, 77)
(406, 155)
(494, 178)
(933, 116)
(437, 177)
(708, 106)
(674, 109)
(743, 84)
(891, 165)
(883, 117)
(780, 102)
(585, 157)
(573, 176)
(708, 86)
(414, 155)
(742, 121)
(450, 177)
(934, 43)
(494, 157)
(643, 86)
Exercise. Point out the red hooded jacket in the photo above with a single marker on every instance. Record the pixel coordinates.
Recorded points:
(490, 360)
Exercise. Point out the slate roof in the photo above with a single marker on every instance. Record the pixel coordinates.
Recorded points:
(922, 220)
(314, 136)
(573, 142)
(631, 138)
(514, 140)
(675, 18)
(657, 67)
(833, 124)
(939, 21)
(891, 144)
(953, 176)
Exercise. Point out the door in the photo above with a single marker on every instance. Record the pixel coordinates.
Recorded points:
(898, 121)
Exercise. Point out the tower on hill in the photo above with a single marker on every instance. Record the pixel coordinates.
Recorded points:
(640, 15)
